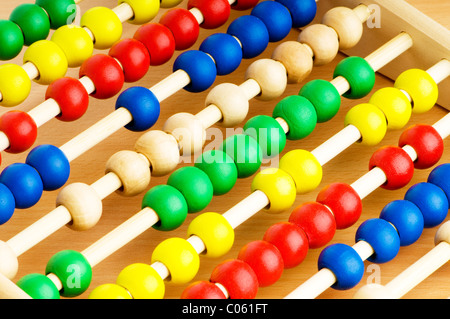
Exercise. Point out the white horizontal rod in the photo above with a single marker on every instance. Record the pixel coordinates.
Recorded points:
(10, 290)
(170, 85)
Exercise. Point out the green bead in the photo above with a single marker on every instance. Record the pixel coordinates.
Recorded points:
(268, 133)
(299, 114)
(245, 152)
(324, 96)
(38, 286)
(359, 74)
(33, 21)
(61, 12)
(195, 186)
(220, 168)
(74, 271)
(169, 204)
(11, 39)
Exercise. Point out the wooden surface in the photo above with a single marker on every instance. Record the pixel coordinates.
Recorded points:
(347, 167)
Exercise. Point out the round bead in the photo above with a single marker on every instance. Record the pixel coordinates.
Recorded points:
(252, 34)
(268, 133)
(83, 204)
(323, 40)
(73, 270)
(202, 290)
(316, 221)
(276, 17)
(75, 42)
(370, 121)
(133, 57)
(7, 204)
(183, 25)
(51, 164)
(15, 84)
(383, 238)
(169, 204)
(290, 240)
(225, 50)
(373, 291)
(347, 25)
(396, 165)
(215, 13)
(109, 291)
(179, 257)
(406, 218)
(106, 74)
(325, 98)
(104, 24)
(432, 202)
(169, 3)
(11, 34)
(188, 130)
(302, 12)
(195, 186)
(144, 10)
(278, 186)
(243, 4)
(299, 114)
(245, 152)
(296, 59)
(158, 40)
(394, 104)
(343, 201)
(60, 12)
(220, 169)
(141, 281)
(143, 106)
(10, 263)
(133, 171)
(440, 176)
(38, 286)
(271, 77)
(359, 74)
(420, 86)
(237, 277)
(32, 20)
(427, 143)
(304, 169)
(21, 130)
(215, 231)
(442, 234)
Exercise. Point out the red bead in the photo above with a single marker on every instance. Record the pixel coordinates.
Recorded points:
(343, 201)
(317, 221)
(133, 56)
(202, 290)
(158, 40)
(106, 74)
(20, 129)
(265, 260)
(396, 165)
(290, 240)
(427, 143)
(215, 13)
(244, 4)
(183, 25)
(237, 277)
(71, 96)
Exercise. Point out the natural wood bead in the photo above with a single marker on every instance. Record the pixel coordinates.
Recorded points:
(296, 58)
(161, 149)
(323, 40)
(443, 233)
(9, 264)
(83, 204)
(346, 23)
(232, 102)
(132, 169)
(271, 76)
(372, 291)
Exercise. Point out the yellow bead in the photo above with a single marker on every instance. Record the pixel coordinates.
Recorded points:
(170, 3)
(370, 121)
(15, 84)
(142, 281)
(144, 10)
(49, 59)
(180, 257)
(215, 232)
(395, 106)
(75, 42)
(104, 24)
(278, 186)
(109, 291)
(421, 87)
(304, 169)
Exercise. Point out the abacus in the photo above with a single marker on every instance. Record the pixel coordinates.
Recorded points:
(117, 209)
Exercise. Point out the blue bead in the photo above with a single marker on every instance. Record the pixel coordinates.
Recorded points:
(432, 202)
(52, 164)
(200, 68)
(345, 263)
(143, 106)
(225, 50)
(7, 204)
(276, 17)
(383, 238)
(24, 182)
(302, 12)
(252, 33)
(407, 219)
(440, 176)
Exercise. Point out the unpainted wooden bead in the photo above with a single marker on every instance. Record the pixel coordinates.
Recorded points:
(296, 58)
(443, 233)
(9, 264)
(271, 77)
(347, 25)
(323, 40)
(372, 291)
